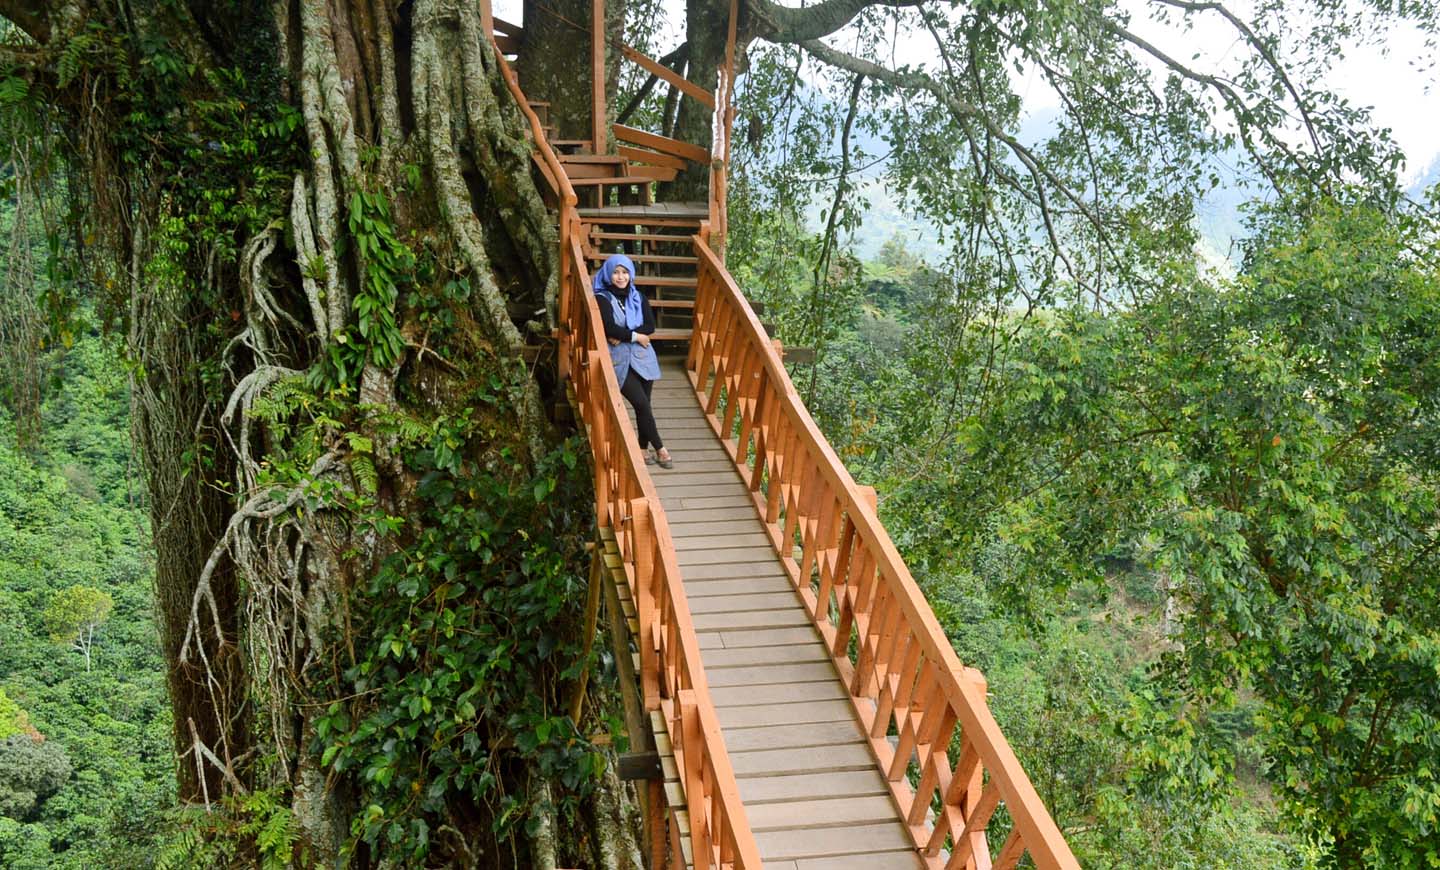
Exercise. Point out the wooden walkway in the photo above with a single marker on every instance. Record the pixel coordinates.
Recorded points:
(807, 708)
(811, 789)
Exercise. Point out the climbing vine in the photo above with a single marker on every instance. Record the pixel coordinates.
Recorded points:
(459, 669)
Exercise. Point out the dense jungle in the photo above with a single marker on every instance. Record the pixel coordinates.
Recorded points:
(293, 523)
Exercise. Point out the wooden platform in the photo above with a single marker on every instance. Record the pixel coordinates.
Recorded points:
(812, 792)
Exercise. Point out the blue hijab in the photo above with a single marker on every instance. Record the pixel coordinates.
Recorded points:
(605, 281)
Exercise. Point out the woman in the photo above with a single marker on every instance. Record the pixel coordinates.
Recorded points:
(628, 321)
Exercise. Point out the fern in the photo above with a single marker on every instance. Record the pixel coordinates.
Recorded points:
(276, 840)
(363, 468)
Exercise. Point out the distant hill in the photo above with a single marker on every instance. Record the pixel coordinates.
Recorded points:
(1219, 215)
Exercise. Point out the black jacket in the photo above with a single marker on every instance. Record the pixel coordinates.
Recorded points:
(620, 331)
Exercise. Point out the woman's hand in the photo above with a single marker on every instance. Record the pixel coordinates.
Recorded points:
(614, 342)
(642, 339)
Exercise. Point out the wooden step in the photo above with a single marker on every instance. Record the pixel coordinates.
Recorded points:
(576, 170)
(670, 335)
(640, 259)
(677, 238)
(652, 214)
(666, 281)
(592, 158)
(624, 180)
(570, 146)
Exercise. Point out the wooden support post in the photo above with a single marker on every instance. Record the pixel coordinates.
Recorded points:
(592, 615)
(597, 77)
(645, 604)
(637, 724)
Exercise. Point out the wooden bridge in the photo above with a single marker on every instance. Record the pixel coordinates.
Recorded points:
(806, 706)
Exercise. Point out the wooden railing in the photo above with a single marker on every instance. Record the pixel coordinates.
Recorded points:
(672, 677)
(904, 679)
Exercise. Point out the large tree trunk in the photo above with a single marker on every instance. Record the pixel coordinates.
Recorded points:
(554, 65)
(317, 217)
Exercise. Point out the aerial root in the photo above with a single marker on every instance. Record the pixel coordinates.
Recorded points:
(265, 505)
(309, 258)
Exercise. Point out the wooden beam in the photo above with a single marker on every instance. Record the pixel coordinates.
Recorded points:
(501, 26)
(663, 144)
(655, 68)
(653, 158)
(641, 765)
(598, 118)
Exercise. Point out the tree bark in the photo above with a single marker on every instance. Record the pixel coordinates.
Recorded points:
(554, 66)
(258, 575)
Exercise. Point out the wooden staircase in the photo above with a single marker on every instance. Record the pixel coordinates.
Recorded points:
(618, 215)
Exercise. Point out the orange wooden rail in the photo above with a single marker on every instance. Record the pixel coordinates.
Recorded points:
(904, 678)
(672, 678)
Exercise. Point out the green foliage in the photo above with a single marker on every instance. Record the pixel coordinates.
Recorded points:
(13, 720)
(67, 519)
(75, 613)
(272, 826)
(30, 772)
(1262, 455)
(462, 641)
(389, 265)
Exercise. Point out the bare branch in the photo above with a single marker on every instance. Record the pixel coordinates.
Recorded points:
(1239, 109)
(1265, 53)
(919, 81)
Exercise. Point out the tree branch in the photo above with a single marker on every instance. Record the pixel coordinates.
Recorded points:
(1264, 51)
(775, 23)
(918, 81)
(30, 16)
(1239, 109)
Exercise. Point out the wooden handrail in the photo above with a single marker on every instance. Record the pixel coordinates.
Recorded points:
(554, 172)
(665, 73)
(564, 192)
(672, 677)
(904, 675)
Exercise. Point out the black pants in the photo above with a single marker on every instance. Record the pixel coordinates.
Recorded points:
(636, 391)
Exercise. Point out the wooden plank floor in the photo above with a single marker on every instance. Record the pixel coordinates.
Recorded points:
(811, 788)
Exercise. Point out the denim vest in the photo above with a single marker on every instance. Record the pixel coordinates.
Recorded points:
(630, 354)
